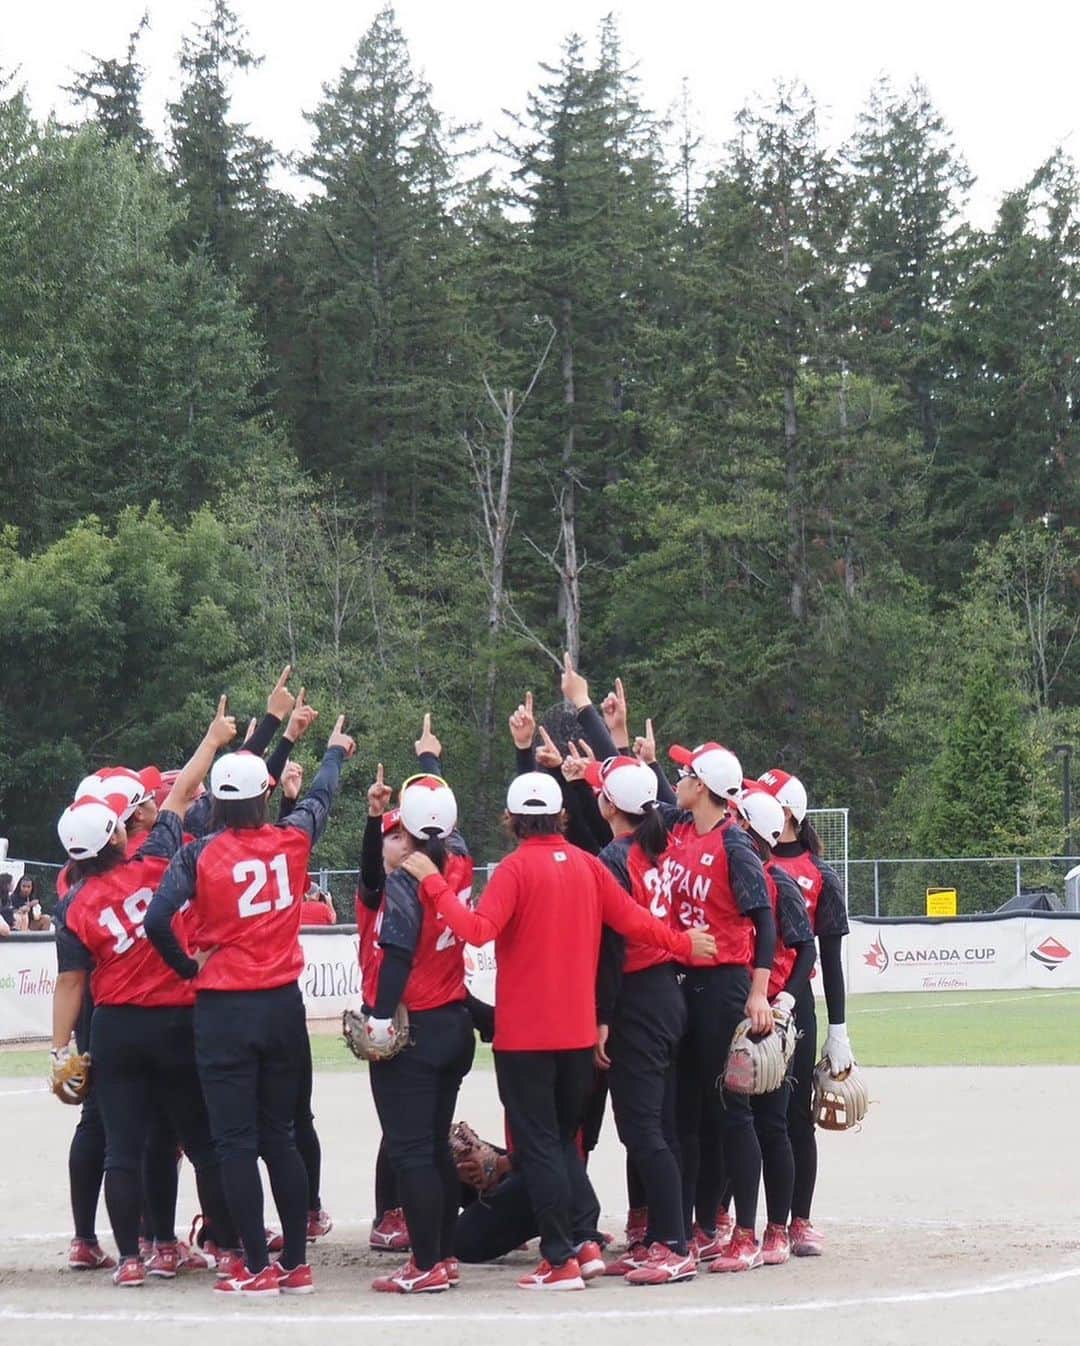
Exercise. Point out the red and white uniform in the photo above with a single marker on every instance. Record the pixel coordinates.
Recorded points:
(544, 908)
(712, 881)
(100, 927)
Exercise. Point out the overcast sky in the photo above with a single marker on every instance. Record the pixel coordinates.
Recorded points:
(1003, 75)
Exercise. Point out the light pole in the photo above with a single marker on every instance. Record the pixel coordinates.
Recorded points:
(1065, 752)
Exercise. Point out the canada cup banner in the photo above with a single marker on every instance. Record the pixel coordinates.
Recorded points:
(331, 978)
(1015, 954)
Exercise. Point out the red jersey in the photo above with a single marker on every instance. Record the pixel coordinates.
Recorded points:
(315, 913)
(437, 976)
(246, 888)
(640, 876)
(820, 886)
(713, 880)
(544, 908)
(100, 928)
(792, 926)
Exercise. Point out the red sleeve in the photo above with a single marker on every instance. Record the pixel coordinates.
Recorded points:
(490, 917)
(622, 913)
(316, 913)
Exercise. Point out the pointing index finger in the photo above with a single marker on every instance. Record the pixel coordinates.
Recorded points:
(286, 673)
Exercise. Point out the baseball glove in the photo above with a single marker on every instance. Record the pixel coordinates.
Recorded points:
(476, 1161)
(70, 1076)
(754, 1065)
(840, 1101)
(354, 1028)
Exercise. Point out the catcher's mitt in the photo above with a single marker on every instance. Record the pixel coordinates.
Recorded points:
(70, 1077)
(754, 1065)
(840, 1101)
(354, 1028)
(476, 1161)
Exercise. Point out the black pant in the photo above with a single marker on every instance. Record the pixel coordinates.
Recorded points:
(545, 1095)
(144, 1060)
(777, 1165)
(86, 1156)
(386, 1187)
(415, 1096)
(307, 1138)
(595, 1107)
(800, 1120)
(250, 1046)
(161, 1180)
(715, 1002)
(648, 1024)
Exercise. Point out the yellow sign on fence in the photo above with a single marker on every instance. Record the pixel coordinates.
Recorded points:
(941, 901)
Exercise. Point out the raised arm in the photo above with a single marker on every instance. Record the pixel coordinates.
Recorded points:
(478, 926)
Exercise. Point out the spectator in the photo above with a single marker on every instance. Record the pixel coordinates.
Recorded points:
(317, 907)
(7, 906)
(28, 914)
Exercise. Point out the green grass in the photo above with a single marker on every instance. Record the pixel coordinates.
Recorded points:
(959, 1028)
(967, 1028)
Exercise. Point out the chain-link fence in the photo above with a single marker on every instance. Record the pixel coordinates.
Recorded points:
(983, 883)
(882, 887)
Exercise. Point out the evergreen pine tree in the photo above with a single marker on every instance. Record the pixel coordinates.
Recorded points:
(111, 90)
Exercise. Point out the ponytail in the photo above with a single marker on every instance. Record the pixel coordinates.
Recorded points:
(435, 850)
(808, 837)
(651, 834)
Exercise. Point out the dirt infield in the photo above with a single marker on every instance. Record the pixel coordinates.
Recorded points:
(951, 1217)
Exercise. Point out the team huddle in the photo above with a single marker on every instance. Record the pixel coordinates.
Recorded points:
(653, 943)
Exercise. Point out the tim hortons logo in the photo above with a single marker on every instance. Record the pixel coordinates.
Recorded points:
(1051, 953)
(878, 957)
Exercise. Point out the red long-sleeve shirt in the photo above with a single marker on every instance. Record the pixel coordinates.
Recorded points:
(544, 908)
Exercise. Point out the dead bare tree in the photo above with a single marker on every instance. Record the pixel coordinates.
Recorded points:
(493, 477)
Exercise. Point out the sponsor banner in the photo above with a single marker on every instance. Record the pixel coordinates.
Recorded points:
(1015, 954)
(480, 971)
(331, 978)
(27, 981)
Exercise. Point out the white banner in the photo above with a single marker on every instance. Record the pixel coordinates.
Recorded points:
(1017, 953)
(28, 975)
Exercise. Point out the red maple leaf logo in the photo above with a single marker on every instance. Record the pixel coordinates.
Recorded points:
(878, 956)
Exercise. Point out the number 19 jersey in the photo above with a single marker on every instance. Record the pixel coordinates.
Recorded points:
(99, 928)
(249, 883)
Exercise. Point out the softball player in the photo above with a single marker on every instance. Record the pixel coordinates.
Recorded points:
(244, 883)
(798, 853)
(141, 1031)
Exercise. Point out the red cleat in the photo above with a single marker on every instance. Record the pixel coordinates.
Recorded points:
(275, 1242)
(741, 1253)
(191, 1259)
(725, 1224)
(547, 1277)
(299, 1281)
(664, 1267)
(805, 1240)
(590, 1260)
(319, 1224)
(637, 1223)
(410, 1280)
(248, 1286)
(633, 1258)
(229, 1264)
(390, 1235)
(706, 1247)
(86, 1256)
(775, 1247)
(164, 1261)
(453, 1270)
(129, 1273)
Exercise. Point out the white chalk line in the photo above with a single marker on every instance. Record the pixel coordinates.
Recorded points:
(957, 1004)
(23, 1093)
(1012, 1285)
